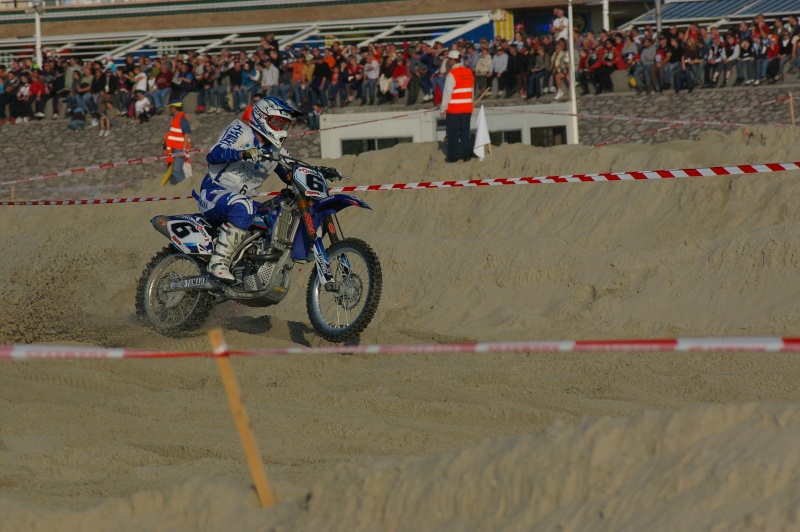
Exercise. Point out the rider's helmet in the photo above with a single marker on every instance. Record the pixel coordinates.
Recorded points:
(271, 117)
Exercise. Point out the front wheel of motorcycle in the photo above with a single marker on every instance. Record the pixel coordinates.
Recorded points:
(171, 313)
(340, 315)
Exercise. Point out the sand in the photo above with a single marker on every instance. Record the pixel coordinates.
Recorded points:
(469, 442)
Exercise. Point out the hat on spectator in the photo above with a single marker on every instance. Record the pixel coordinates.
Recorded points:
(453, 54)
(176, 103)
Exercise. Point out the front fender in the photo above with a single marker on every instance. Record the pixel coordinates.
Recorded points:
(319, 211)
(333, 204)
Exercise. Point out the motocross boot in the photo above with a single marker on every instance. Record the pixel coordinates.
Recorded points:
(230, 238)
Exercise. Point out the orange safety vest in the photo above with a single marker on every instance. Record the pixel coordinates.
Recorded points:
(246, 114)
(174, 139)
(461, 99)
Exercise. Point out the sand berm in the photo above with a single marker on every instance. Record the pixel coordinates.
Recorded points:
(603, 441)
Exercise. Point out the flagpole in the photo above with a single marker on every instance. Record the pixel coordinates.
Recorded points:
(573, 102)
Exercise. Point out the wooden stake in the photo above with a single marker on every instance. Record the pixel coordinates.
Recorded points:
(263, 488)
(791, 107)
(482, 95)
(12, 196)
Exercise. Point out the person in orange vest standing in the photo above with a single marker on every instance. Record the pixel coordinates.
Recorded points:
(457, 104)
(177, 141)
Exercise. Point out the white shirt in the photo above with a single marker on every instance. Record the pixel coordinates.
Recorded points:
(270, 76)
(372, 69)
(562, 23)
(141, 106)
(140, 82)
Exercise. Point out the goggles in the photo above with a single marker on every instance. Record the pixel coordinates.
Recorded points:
(279, 123)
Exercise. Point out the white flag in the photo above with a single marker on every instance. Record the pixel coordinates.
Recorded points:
(481, 135)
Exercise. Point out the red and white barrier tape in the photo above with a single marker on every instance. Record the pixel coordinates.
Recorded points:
(723, 344)
(95, 168)
(573, 178)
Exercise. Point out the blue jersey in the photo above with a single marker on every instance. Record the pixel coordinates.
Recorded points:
(227, 170)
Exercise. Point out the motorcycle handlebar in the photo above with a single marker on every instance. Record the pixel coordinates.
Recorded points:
(289, 162)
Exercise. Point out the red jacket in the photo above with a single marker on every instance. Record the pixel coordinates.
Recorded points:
(38, 88)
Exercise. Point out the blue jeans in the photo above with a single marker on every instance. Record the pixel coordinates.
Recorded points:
(535, 83)
(239, 97)
(441, 79)
(300, 93)
(285, 89)
(313, 121)
(89, 102)
(643, 76)
(746, 70)
(221, 94)
(761, 68)
(427, 85)
(318, 95)
(177, 174)
(250, 91)
(340, 90)
(368, 88)
(207, 97)
(669, 72)
(693, 75)
(160, 97)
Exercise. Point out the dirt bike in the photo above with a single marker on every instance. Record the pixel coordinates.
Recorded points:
(175, 293)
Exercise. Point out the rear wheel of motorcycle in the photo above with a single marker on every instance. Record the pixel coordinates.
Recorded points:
(339, 316)
(171, 313)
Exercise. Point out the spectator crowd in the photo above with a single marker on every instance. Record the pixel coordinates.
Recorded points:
(316, 78)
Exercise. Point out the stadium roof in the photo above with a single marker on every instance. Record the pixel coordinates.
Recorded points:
(717, 12)
(442, 27)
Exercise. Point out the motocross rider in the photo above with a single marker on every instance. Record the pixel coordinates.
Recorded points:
(235, 170)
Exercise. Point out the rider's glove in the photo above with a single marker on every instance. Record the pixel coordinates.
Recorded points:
(331, 174)
(251, 154)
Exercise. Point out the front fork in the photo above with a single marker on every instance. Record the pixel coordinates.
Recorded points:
(320, 257)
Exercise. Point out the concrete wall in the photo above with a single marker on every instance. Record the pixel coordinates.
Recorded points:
(263, 16)
(424, 126)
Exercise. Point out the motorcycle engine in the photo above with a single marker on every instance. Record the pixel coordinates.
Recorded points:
(268, 281)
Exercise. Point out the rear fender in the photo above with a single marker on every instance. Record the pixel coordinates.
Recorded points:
(190, 233)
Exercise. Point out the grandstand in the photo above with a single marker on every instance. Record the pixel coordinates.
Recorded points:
(717, 12)
(95, 46)
(143, 27)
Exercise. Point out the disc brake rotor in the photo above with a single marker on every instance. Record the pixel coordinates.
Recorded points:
(352, 288)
